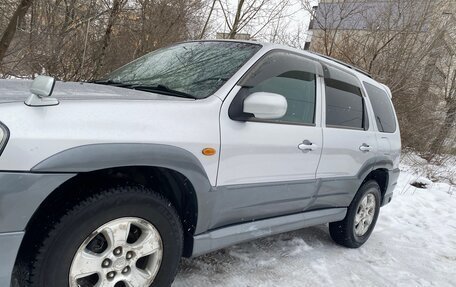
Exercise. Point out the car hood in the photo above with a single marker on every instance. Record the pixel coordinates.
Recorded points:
(19, 91)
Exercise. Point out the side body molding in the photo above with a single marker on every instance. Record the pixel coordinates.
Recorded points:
(93, 157)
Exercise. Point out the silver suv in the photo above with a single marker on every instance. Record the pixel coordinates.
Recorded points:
(187, 150)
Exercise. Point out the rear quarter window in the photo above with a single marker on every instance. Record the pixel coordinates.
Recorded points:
(383, 108)
(344, 105)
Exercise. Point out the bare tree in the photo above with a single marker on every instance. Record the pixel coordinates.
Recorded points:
(445, 68)
(211, 9)
(113, 16)
(251, 15)
(83, 39)
(400, 43)
(330, 19)
(10, 30)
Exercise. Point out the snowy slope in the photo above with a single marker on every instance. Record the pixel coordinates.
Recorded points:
(413, 244)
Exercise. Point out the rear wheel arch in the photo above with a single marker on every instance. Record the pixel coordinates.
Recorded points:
(379, 175)
(344, 232)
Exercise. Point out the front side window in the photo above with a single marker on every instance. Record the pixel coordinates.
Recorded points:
(291, 76)
(383, 109)
(344, 105)
(193, 69)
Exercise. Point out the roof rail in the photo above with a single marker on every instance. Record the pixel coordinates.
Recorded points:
(343, 63)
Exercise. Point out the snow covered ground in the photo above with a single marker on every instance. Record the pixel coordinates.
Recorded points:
(413, 244)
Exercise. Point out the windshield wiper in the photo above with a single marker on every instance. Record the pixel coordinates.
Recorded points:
(161, 89)
(109, 83)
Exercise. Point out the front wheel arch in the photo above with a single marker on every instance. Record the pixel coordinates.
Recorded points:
(55, 252)
(174, 186)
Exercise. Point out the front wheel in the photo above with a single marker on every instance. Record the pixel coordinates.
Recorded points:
(354, 230)
(122, 237)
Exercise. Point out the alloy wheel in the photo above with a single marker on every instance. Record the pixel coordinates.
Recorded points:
(365, 214)
(125, 252)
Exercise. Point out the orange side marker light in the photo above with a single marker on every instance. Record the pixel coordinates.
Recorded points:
(209, 151)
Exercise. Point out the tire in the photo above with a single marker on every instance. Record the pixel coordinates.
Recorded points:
(346, 232)
(112, 209)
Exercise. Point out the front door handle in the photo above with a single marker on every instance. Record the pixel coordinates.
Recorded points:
(307, 146)
(365, 147)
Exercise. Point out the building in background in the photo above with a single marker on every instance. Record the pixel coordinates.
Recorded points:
(332, 16)
(390, 39)
(360, 16)
(238, 36)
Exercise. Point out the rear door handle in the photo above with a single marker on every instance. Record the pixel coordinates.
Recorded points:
(307, 146)
(365, 147)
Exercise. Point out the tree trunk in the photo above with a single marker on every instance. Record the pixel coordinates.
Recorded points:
(236, 21)
(430, 67)
(10, 30)
(207, 20)
(116, 7)
(445, 129)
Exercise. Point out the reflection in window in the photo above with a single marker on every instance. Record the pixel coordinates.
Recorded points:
(195, 68)
(383, 108)
(344, 105)
(298, 88)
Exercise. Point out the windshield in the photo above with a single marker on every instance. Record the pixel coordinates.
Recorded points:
(193, 69)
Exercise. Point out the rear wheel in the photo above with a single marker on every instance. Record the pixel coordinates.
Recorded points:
(121, 237)
(354, 230)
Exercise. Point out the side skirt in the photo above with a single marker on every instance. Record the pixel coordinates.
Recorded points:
(226, 236)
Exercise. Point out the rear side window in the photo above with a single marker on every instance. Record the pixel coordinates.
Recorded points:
(383, 110)
(344, 105)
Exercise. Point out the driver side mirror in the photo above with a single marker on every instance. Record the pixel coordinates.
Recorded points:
(41, 91)
(43, 86)
(266, 106)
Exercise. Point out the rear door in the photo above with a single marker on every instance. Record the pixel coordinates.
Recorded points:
(262, 171)
(350, 143)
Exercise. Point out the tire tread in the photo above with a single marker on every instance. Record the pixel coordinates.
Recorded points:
(342, 232)
(98, 195)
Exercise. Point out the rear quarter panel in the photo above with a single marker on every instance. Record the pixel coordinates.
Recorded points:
(389, 144)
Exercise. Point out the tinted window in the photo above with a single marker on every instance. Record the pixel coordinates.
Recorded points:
(291, 76)
(299, 89)
(344, 105)
(383, 110)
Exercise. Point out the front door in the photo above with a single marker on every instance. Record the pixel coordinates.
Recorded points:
(267, 167)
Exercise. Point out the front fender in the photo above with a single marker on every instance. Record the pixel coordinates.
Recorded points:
(94, 157)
